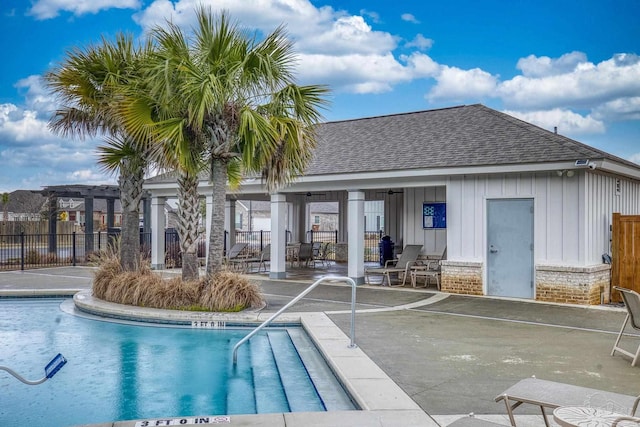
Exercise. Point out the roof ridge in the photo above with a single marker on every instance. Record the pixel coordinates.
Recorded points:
(406, 113)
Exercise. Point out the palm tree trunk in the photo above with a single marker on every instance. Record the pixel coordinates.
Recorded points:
(130, 183)
(188, 220)
(216, 238)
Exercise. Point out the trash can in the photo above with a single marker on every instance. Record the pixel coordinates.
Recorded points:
(386, 249)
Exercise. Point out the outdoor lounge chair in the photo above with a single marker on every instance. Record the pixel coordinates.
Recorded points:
(262, 260)
(402, 265)
(305, 254)
(235, 257)
(632, 303)
(472, 421)
(551, 395)
(428, 269)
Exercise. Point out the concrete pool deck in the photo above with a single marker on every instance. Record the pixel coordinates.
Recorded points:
(423, 357)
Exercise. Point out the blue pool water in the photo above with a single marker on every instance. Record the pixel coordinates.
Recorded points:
(121, 371)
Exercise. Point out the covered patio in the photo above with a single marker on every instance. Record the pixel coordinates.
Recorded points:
(464, 179)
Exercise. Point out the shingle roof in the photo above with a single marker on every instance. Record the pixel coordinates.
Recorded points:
(468, 135)
(472, 135)
(25, 201)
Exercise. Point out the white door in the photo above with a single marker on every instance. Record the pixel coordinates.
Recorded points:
(510, 248)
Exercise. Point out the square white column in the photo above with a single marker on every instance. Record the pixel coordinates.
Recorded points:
(278, 262)
(355, 214)
(158, 222)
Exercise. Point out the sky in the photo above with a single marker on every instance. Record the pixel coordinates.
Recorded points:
(555, 63)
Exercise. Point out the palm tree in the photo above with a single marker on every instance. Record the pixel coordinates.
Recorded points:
(90, 84)
(229, 99)
(123, 156)
(5, 206)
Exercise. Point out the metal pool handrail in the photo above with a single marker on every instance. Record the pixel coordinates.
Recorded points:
(352, 343)
(49, 371)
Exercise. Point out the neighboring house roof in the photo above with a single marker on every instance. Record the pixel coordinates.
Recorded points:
(99, 205)
(472, 135)
(25, 201)
(262, 206)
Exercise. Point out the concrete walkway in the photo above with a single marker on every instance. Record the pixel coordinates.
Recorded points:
(451, 354)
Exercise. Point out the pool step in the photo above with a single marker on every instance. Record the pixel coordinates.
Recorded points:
(240, 390)
(299, 389)
(333, 395)
(269, 394)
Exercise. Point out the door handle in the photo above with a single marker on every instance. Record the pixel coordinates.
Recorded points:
(492, 249)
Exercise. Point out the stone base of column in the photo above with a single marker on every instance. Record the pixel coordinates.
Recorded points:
(157, 266)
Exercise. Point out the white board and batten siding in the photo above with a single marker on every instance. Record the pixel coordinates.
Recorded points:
(607, 194)
(571, 214)
(433, 241)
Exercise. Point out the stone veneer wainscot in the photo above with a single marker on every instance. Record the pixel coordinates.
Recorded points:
(461, 277)
(562, 284)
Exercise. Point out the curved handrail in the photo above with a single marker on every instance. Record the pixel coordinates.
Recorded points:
(49, 371)
(352, 342)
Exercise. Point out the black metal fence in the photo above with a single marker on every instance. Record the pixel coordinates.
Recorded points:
(372, 246)
(38, 250)
(23, 251)
(256, 240)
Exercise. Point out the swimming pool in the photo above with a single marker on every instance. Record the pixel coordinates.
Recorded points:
(120, 371)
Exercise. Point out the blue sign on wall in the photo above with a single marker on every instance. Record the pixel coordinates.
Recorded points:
(434, 215)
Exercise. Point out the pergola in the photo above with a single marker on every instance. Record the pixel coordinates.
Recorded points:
(87, 192)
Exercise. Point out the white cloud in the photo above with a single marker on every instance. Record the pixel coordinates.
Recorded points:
(567, 122)
(533, 66)
(86, 176)
(349, 35)
(420, 42)
(421, 65)
(301, 17)
(409, 18)
(373, 16)
(47, 9)
(627, 108)
(456, 84)
(587, 86)
(354, 73)
(37, 96)
(21, 125)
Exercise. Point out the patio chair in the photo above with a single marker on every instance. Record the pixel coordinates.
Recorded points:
(552, 395)
(265, 257)
(305, 254)
(427, 269)
(236, 255)
(402, 265)
(315, 249)
(632, 304)
(323, 254)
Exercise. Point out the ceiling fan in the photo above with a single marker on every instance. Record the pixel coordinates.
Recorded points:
(309, 194)
(390, 192)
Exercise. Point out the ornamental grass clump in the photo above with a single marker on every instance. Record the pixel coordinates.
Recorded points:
(229, 291)
(226, 291)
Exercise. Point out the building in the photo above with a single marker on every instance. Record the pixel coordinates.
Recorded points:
(521, 211)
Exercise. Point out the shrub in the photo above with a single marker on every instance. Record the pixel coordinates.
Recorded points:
(32, 257)
(226, 291)
(50, 258)
(229, 291)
